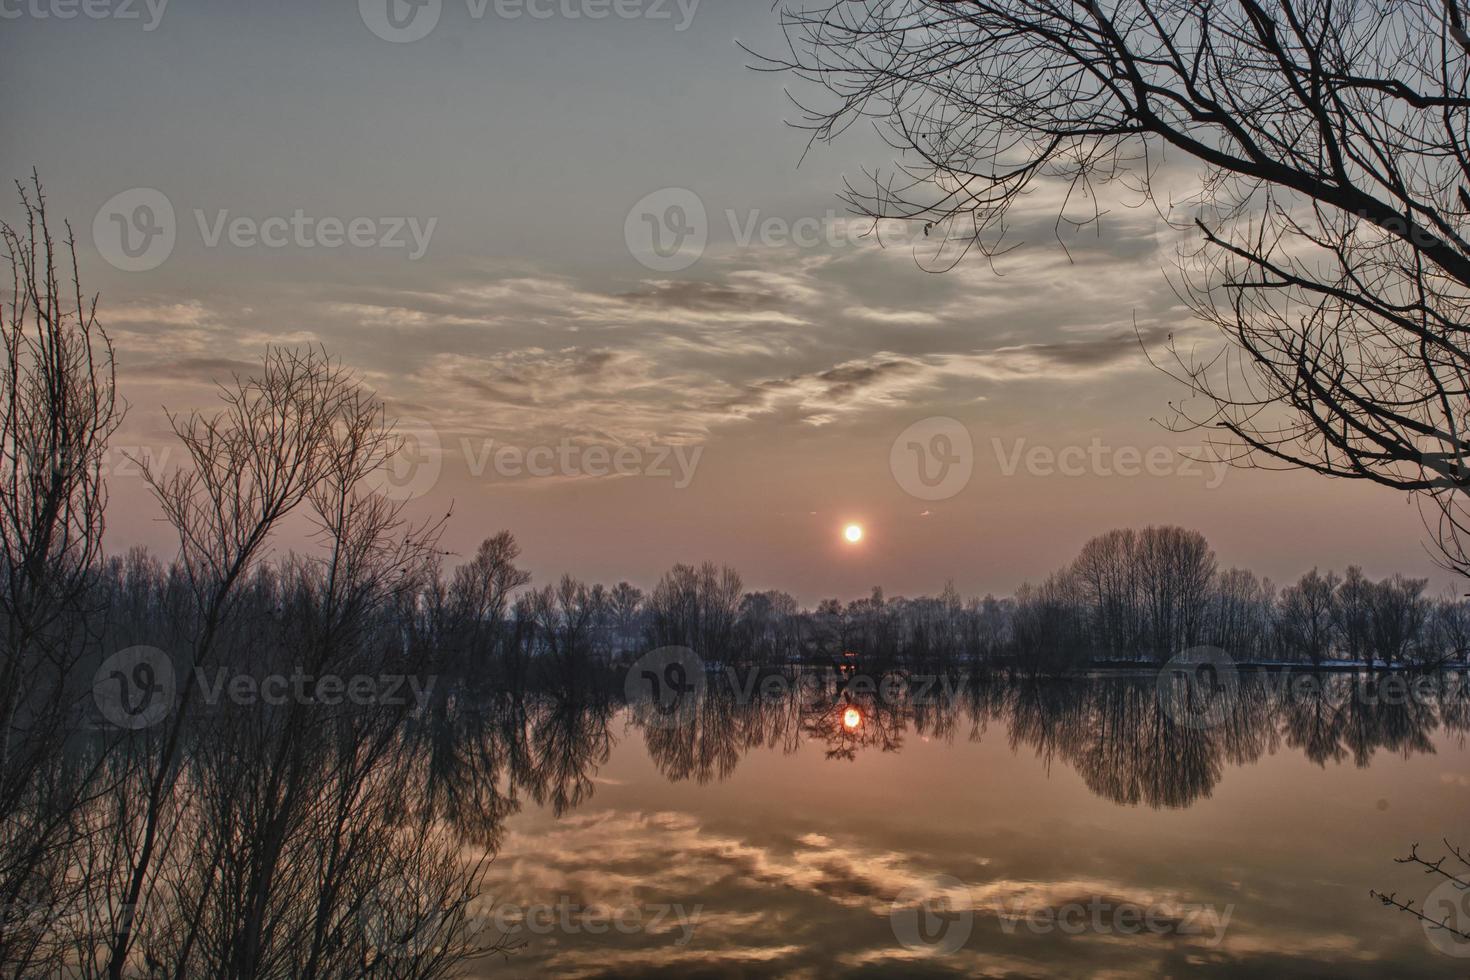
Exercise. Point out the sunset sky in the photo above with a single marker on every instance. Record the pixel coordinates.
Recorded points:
(781, 371)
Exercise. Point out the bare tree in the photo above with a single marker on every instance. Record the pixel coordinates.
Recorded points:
(1178, 572)
(1049, 624)
(626, 601)
(482, 586)
(58, 407)
(1399, 613)
(299, 428)
(1355, 614)
(1241, 613)
(1107, 574)
(1450, 628)
(1331, 217)
(565, 615)
(1453, 874)
(278, 898)
(697, 608)
(1309, 615)
(769, 626)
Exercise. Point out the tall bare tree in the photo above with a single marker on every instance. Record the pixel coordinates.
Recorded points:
(302, 429)
(1309, 616)
(58, 407)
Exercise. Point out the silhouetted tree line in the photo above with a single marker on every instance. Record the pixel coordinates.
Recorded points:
(1130, 595)
(1153, 593)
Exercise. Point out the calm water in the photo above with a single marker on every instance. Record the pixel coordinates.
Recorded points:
(1045, 829)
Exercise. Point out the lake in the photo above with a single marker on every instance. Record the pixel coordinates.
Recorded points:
(994, 827)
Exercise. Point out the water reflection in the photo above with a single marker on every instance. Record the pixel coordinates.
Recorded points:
(386, 822)
(793, 840)
(483, 751)
(548, 741)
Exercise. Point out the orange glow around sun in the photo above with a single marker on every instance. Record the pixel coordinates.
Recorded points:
(851, 718)
(853, 533)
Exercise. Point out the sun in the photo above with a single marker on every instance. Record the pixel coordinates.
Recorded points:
(853, 533)
(852, 718)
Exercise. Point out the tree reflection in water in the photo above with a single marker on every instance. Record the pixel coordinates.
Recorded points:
(1113, 731)
(386, 822)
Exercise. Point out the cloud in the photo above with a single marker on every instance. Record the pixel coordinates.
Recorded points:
(202, 370)
(915, 318)
(188, 314)
(786, 902)
(762, 337)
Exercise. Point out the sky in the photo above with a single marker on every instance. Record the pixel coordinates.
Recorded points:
(615, 301)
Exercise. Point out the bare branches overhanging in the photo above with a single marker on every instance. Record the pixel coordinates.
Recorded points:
(1333, 143)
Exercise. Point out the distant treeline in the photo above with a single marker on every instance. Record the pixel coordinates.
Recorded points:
(1129, 596)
